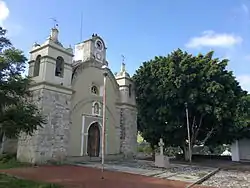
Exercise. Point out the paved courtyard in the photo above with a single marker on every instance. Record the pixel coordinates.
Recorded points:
(182, 172)
(86, 177)
(185, 173)
(134, 174)
(229, 179)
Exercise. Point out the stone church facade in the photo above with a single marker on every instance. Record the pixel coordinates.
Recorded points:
(68, 87)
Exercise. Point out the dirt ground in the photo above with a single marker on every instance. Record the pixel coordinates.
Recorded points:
(83, 177)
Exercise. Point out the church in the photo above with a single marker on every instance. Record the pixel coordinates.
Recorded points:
(68, 86)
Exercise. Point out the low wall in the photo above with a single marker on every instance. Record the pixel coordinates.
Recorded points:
(200, 157)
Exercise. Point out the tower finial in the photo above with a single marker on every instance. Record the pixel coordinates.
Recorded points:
(55, 23)
(123, 64)
(54, 31)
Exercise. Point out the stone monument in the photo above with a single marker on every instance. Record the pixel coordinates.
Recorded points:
(160, 159)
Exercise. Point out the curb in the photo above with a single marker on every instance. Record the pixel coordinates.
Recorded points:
(201, 180)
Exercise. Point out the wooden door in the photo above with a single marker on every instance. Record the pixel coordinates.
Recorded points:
(94, 140)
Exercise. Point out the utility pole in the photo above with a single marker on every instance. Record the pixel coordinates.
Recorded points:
(104, 118)
(188, 132)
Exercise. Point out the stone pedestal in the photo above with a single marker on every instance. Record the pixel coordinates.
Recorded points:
(161, 161)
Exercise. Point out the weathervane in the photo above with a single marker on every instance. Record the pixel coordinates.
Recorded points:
(55, 22)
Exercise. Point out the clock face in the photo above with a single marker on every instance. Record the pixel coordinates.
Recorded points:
(99, 45)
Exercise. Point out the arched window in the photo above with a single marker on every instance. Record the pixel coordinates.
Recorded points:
(94, 90)
(37, 66)
(59, 67)
(129, 90)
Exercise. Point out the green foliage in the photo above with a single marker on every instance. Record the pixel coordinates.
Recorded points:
(9, 161)
(17, 112)
(215, 100)
(11, 182)
(139, 138)
(172, 151)
(144, 148)
(7, 157)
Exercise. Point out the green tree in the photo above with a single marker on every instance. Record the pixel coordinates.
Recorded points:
(17, 112)
(214, 98)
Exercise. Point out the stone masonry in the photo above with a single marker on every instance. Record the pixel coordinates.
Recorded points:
(51, 141)
(128, 131)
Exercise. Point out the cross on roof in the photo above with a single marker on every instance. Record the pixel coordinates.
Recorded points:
(123, 58)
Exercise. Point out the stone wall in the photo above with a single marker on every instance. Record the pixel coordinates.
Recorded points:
(128, 123)
(51, 141)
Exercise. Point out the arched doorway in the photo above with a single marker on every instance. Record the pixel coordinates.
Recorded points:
(94, 140)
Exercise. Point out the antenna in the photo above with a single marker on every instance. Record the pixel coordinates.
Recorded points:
(81, 27)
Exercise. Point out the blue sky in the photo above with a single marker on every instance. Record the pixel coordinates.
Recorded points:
(139, 29)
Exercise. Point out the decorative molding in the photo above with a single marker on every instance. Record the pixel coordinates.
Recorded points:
(44, 83)
(122, 104)
(122, 78)
(61, 49)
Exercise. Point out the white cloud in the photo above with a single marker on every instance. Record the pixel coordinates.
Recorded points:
(212, 39)
(245, 9)
(4, 11)
(244, 81)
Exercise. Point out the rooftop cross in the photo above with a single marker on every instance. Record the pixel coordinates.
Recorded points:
(123, 64)
(123, 58)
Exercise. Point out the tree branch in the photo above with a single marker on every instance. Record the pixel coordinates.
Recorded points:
(193, 125)
(208, 135)
(194, 136)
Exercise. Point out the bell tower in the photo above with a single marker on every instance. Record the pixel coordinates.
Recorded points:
(128, 112)
(50, 68)
(51, 62)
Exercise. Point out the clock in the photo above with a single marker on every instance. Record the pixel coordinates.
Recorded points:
(98, 56)
(99, 45)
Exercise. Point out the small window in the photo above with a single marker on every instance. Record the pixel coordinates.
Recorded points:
(94, 90)
(96, 108)
(37, 66)
(59, 67)
(130, 90)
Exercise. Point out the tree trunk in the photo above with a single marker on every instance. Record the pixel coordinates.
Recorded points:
(185, 150)
(1, 143)
(153, 151)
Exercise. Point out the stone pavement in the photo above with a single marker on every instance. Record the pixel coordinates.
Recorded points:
(85, 177)
(177, 172)
(229, 179)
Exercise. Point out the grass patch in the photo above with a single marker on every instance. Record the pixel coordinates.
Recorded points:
(9, 161)
(11, 182)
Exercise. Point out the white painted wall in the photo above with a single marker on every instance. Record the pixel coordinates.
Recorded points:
(244, 149)
(241, 150)
(235, 151)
